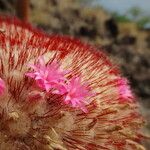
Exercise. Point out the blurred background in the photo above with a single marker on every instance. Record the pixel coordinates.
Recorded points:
(120, 27)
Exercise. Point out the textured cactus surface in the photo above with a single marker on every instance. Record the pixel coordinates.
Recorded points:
(34, 118)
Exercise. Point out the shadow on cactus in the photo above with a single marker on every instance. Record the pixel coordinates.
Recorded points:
(59, 93)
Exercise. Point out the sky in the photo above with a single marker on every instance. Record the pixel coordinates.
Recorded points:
(122, 6)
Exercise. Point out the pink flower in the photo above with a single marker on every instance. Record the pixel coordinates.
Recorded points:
(124, 89)
(46, 76)
(2, 86)
(77, 94)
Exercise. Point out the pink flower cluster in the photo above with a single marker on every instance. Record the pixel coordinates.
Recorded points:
(52, 79)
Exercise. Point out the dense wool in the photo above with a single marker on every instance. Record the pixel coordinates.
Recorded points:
(31, 118)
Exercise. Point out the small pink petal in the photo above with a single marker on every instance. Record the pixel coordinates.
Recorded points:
(2, 86)
(124, 89)
(41, 61)
(31, 75)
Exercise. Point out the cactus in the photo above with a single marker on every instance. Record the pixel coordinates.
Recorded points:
(97, 111)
